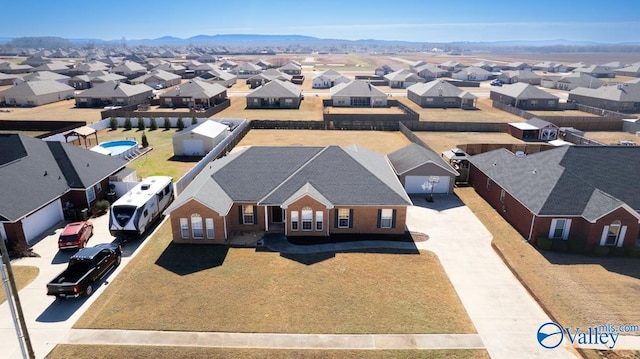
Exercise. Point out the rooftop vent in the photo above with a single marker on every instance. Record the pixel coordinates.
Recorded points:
(145, 186)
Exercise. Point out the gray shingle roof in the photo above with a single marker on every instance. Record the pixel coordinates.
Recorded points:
(622, 92)
(356, 88)
(36, 88)
(111, 89)
(413, 156)
(272, 175)
(24, 187)
(277, 89)
(195, 89)
(522, 91)
(587, 181)
(436, 88)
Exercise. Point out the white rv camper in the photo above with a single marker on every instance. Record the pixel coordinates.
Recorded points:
(138, 209)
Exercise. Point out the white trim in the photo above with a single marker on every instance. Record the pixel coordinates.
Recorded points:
(603, 237)
(266, 218)
(623, 232)
(567, 228)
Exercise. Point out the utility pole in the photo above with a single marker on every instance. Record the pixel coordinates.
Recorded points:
(14, 289)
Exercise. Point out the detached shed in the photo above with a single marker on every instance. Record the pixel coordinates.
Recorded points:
(534, 130)
(199, 139)
(422, 171)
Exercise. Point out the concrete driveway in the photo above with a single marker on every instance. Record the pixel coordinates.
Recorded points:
(48, 320)
(504, 314)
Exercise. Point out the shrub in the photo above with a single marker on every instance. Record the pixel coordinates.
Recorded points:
(560, 245)
(152, 124)
(578, 245)
(180, 124)
(140, 124)
(544, 243)
(633, 252)
(618, 251)
(113, 123)
(127, 124)
(100, 207)
(601, 251)
(167, 123)
(145, 142)
(194, 121)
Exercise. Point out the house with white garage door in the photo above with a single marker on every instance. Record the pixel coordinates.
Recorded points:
(422, 171)
(199, 139)
(40, 181)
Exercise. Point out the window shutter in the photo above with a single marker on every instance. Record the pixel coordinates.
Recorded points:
(623, 232)
(240, 214)
(335, 224)
(393, 219)
(255, 214)
(379, 218)
(351, 218)
(603, 238)
(567, 228)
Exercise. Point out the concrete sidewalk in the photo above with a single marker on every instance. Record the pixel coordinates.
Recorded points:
(274, 340)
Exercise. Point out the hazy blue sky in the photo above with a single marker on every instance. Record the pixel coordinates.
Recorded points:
(438, 21)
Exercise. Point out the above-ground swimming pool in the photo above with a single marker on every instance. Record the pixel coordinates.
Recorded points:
(124, 149)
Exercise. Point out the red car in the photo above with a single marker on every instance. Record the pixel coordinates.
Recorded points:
(75, 235)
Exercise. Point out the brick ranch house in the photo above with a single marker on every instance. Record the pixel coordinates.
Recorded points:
(298, 191)
(582, 193)
(39, 180)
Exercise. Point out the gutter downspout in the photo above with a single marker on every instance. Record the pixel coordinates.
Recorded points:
(531, 227)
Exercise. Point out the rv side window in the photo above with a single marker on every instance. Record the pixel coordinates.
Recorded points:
(167, 189)
(145, 213)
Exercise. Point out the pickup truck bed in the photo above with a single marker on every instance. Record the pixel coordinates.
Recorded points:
(85, 268)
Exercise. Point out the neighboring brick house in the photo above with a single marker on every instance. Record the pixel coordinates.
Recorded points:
(440, 94)
(357, 94)
(328, 79)
(129, 69)
(597, 71)
(194, 94)
(582, 193)
(221, 77)
(624, 97)
(403, 78)
(245, 70)
(158, 79)
(472, 73)
(571, 81)
(525, 97)
(267, 76)
(513, 76)
(297, 191)
(39, 180)
(291, 68)
(114, 93)
(429, 72)
(275, 94)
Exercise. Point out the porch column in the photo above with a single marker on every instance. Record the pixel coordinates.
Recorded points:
(266, 219)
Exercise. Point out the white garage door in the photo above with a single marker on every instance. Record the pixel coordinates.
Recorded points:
(421, 184)
(193, 148)
(37, 223)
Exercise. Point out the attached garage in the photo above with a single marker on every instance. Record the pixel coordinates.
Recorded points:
(43, 219)
(424, 184)
(199, 139)
(422, 171)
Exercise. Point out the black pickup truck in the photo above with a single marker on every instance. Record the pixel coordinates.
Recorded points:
(85, 268)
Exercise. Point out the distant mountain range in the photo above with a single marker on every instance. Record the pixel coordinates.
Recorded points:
(254, 40)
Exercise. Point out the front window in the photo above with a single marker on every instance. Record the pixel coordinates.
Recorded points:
(319, 220)
(196, 226)
(502, 193)
(184, 228)
(343, 217)
(247, 214)
(613, 233)
(294, 220)
(386, 218)
(307, 219)
(91, 194)
(558, 229)
(210, 232)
